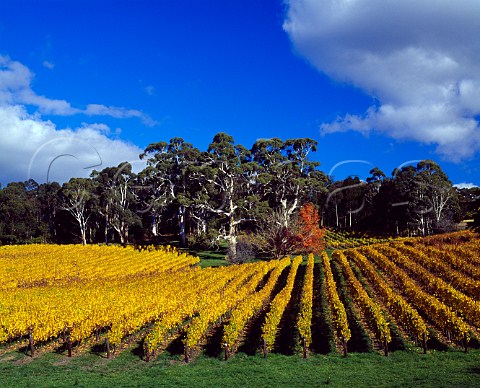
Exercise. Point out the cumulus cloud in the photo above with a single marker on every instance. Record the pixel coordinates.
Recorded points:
(419, 60)
(15, 88)
(34, 148)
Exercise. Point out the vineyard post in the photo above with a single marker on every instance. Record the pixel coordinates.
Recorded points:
(304, 342)
(107, 345)
(465, 342)
(386, 346)
(264, 348)
(187, 358)
(424, 343)
(225, 345)
(344, 343)
(147, 352)
(30, 341)
(69, 345)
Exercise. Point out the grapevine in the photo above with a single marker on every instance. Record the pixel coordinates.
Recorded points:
(339, 315)
(304, 323)
(277, 307)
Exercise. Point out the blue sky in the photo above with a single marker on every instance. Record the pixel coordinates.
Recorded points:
(92, 83)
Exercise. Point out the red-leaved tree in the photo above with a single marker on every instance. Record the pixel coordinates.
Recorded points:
(309, 231)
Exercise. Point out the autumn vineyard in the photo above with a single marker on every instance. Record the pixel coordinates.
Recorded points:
(379, 295)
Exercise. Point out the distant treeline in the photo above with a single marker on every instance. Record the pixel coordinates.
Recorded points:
(205, 197)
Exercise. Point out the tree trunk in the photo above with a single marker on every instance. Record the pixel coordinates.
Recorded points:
(84, 236)
(122, 239)
(122, 230)
(232, 235)
(106, 231)
(154, 225)
(336, 214)
(232, 240)
(422, 222)
(107, 219)
(181, 224)
(232, 248)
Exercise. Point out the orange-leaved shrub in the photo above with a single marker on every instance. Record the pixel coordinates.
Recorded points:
(309, 231)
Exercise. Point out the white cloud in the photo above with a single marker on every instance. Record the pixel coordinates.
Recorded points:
(419, 60)
(465, 185)
(48, 65)
(34, 148)
(118, 112)
(15, 88)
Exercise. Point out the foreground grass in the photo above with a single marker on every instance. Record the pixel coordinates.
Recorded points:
(452, 368)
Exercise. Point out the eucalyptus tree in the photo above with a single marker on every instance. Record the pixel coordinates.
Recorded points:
(366, 217)
(270, 158)
(169, 178)
(441, 196)
(439, 188)
(469, 201)
(228, 170)
(407, 201)
(346, 200)
(48, 198)
(104, 182)
(353, 200)
(420, 199)
(377, 177)
(117, 199)
(287, 176)
(19, 212)
(78, 198)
